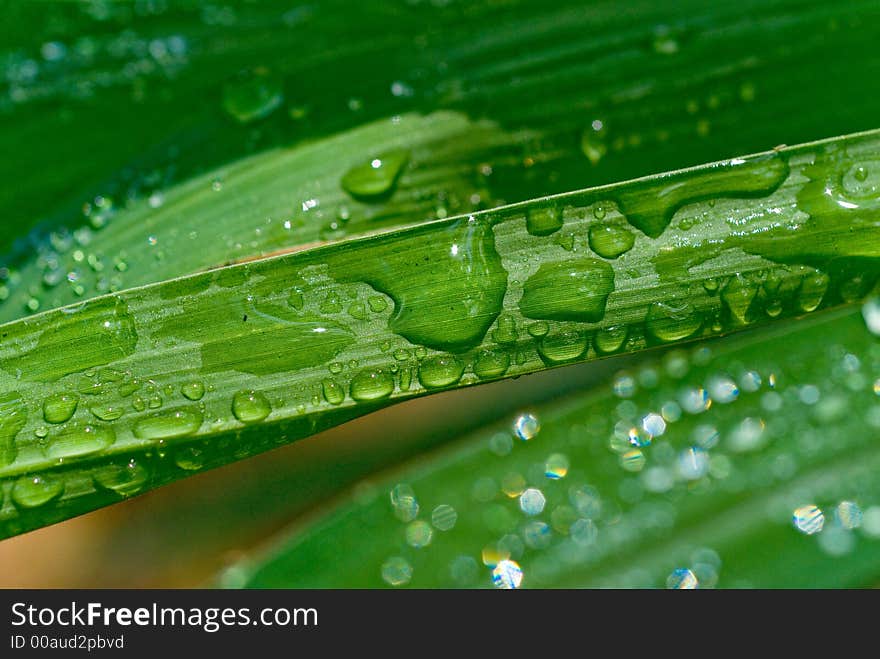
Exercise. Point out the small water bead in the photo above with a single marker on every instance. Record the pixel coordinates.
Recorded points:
(491, 364)
(419, 534)
(563, 347)
(371, 384)
(654, 424)
(189, 458)
(544, 221)
(722, 389)
(682, 579)
(507, 575)
(440, 371)
(610, 339)
(404, 502)
(124, 478)
(532, 501)
(556, 466)
(444, 517)
(168, 424)
(396, 571)
(253, 95)
(526, 427)
(35, 491)
(77, 439)
(58, 408)
(849, 515)
(812, 291)
(538, 329)
(624, 385)
(808, 519)
(610, 241)
(333, 392)
(375, 177)
(194, 390)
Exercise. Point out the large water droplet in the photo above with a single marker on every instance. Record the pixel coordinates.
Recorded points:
(34, 491)
(560, 347)
(376, 177)
(58, 408)
(250, 406)
(77, 439)
(576, 289)
(125, 478)
(252, 95)
(13, 416)
(167, 424)
(650, 208)
(333, 392)
(491, 364)
(610, 241)
(440, 371)
(544, 221)
(371, 384)
(193, 390)
(737, 296)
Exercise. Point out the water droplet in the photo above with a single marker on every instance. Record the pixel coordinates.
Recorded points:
(624, 385)
(444, 517)
(693, 463)
(654, 424)
(849, 515)
(673, 321)
(562, 347)
(464, 571)
(252, 95)
(58, 408)
(532, 501)
(107, 412)
(738, 295)
(376, 177)
(593, 143)
(694, 401)
(682, 579)
(35, 491)
(633, 460)
(526, 427)
(705, 436)
(440, 371)
(333, 392)
(250, 406)
(576, 289)
(544, 221)
(871, 314)
(610, 339)
(556, 466)
(747, 435)
(610, 241)
(404, 502)
(419, 534)
(466, 260)
(812, 291)
(491, 364)
(651, 209)
(124, 478)
(396, 571)
(189, 458)
(77, 439)
(193, 390)
(808, 519)
(371, 384)
(507, 575)
(177, 422)
(750, 381)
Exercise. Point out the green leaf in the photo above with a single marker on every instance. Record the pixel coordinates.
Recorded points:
(733, 464)
(184, 375)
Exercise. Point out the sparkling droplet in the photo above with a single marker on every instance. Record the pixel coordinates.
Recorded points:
(808, 519)
(849, 515)
(556, 466)
(526, 427)
(532, 501)
(723, 389)
(419, 534)
(376, 177)
(654, 424)
(193, 390)
(404, 502)
(682, 579)
(507, 575)
(250, 406)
